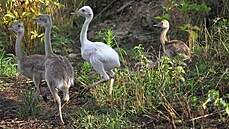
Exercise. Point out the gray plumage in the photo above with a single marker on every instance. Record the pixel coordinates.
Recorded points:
(32, 66)
(59, 73)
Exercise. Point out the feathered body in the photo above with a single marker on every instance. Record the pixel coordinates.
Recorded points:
(32, 66)
(101, 56)
(55, 65)
(100, 53)
(59, 73)
(174, 47)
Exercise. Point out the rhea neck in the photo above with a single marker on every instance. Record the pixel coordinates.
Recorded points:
(163, 37)
(48, 47)
(18, 49)
(83, 33)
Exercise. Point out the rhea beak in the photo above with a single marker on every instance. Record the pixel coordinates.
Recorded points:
(73, 13)
(34, 20)
(159, 24)
(10, 28)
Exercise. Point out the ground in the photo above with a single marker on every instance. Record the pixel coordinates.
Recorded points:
(134, 27)
(11, 98)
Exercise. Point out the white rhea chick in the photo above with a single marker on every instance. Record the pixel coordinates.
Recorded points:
(173, 47)
(59, 73)
(31, 66)
(101, 56)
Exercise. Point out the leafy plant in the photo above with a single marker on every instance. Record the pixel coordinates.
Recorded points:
(25, 107)
(107, 36)
(61, 44)
(24, 11)
(213, 96)
(8, 63)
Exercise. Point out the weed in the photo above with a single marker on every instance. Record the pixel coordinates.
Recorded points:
(25, 107)
(8, 63)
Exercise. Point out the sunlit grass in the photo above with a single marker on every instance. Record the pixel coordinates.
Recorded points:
(173, 90)
(8, 63)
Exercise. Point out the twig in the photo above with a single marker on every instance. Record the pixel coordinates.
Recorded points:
(105, 8)
(222, 77)
(205, 115)
(124, 6)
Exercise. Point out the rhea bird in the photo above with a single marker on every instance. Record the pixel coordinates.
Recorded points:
(173, 47)
(59, 73)
(101, 56)
(31, 66)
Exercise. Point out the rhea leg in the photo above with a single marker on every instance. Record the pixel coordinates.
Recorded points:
(98, 66)
(65, 96)
(57, 99)
(111, 81)
(37, 81)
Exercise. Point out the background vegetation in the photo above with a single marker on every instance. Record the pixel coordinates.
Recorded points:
(150, 91)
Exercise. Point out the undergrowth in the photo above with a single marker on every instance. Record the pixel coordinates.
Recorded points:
(25, 108)
(176, 92)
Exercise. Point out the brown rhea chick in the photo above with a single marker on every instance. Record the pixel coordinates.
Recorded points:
(31, 66)
(173, 47)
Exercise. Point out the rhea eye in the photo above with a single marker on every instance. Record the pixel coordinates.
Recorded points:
(83, 10)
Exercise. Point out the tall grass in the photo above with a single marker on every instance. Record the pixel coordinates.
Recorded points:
(173, 92)
(8, 63)
(25, 108)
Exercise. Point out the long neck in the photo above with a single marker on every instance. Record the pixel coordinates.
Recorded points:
(48, 47)
(163, 38)
(83, 33)
(18, 49)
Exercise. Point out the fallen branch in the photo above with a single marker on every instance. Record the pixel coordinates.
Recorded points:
(124, 6)
(196, 118)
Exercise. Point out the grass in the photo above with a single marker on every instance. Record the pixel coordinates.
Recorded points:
(173, 93)
(7, 65)
(25, 107)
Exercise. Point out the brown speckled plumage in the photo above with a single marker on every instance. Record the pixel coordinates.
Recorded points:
(174, 47)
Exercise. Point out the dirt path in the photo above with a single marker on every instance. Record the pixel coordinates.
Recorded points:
(11, 98)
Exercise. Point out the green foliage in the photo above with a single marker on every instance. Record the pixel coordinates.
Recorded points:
(13, 10)
(193, 33)
(189, 6)
(25, 107)
(85, 69)
(139, 55)
(61, 44)
(171, 89)
(8, 63)
(213, 96)
(94, 117)
(107, 36)
(185, 13)
(163, 17)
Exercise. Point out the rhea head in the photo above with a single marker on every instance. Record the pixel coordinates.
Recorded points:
(17, 26)
(85, 11)
(163, 24)
(44, 20)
